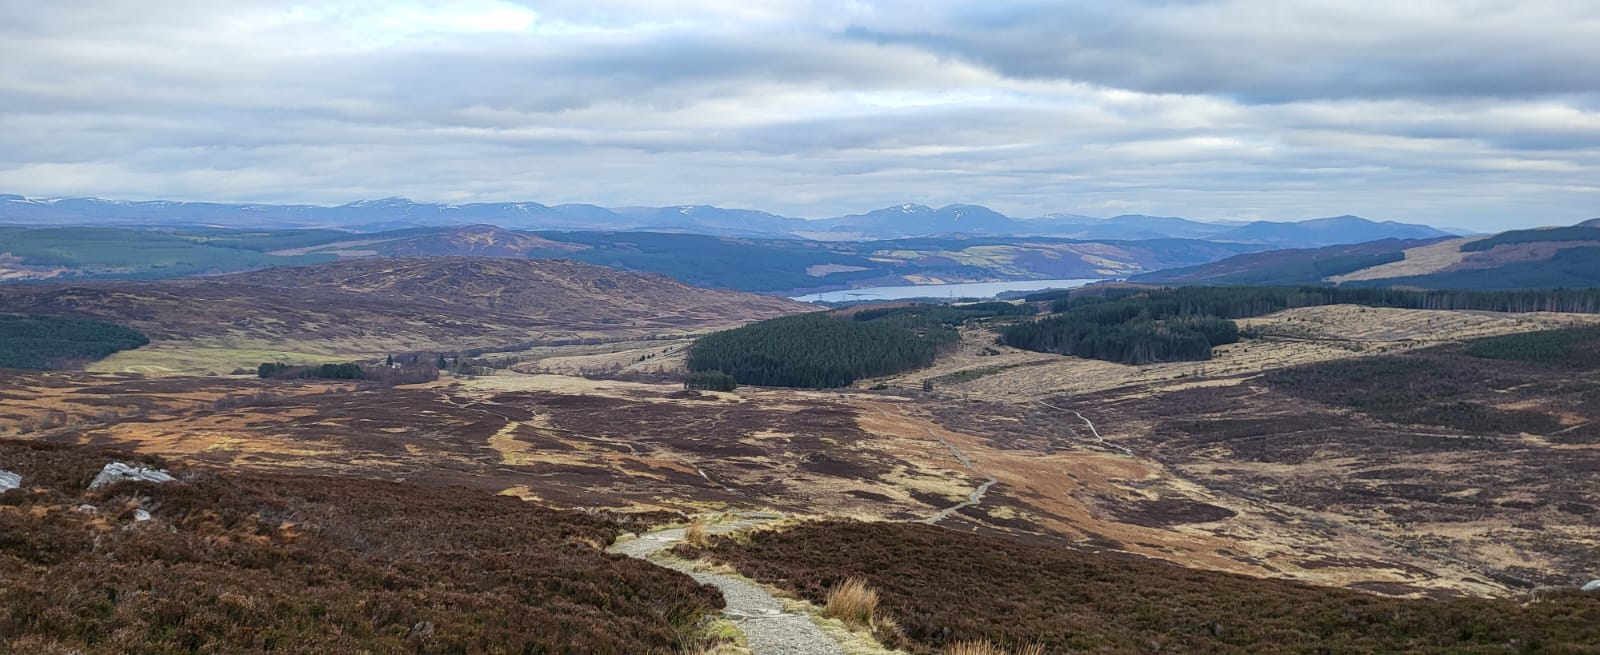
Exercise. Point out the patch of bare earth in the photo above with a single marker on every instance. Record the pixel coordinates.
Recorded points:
(1422, 260)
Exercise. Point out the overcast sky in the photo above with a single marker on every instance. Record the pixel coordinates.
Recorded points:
(1474, 113)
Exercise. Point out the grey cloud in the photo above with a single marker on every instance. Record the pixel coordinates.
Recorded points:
(1281, 51)
(784, 112)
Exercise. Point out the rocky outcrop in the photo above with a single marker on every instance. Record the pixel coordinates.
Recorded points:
(118, 472)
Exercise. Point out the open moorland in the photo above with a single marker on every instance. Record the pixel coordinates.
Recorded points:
(939, 588)
(365, 309)
(1237, 473)
(1399, 452)
(229, 562)
(561, 440)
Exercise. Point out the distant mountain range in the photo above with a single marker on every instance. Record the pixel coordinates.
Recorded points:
(901, 221)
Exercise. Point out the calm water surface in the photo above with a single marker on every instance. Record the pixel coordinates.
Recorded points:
(972, 290)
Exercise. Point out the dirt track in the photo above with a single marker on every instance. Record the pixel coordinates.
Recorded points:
(769, 628)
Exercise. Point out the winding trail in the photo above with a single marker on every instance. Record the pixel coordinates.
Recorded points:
(769, 629)
(1092, 428)
(976, 497)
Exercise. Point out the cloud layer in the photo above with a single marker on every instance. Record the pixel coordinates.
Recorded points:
(1476, 113)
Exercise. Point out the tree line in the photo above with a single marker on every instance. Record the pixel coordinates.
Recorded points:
(417, 371)
(710, 381)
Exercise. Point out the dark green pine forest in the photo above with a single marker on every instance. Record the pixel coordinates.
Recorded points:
(814, 350)
(51, 342)
(826, 350)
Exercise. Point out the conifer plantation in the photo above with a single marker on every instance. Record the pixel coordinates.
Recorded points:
(826, 350)
(815, 351)
(46, 342)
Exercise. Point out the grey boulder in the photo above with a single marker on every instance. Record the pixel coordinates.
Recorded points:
(118, 472)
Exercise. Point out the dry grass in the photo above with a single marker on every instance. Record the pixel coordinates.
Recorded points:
(718, 636)
(852, 602)
(986, 648)
(1423, 260)
(696, 533)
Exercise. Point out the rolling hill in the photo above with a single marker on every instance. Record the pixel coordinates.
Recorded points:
(762, 265)
(1566, 257)
(365, 308)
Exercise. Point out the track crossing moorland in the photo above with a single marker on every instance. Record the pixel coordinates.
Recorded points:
(769, 629)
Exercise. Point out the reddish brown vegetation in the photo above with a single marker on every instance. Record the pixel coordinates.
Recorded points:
(463, 302)
(242, 564)
(944, 587)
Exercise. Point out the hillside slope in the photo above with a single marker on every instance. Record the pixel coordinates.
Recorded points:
(772, 265)
(1292, 266)
(224, 562)
(372, 306)
(1549, 257)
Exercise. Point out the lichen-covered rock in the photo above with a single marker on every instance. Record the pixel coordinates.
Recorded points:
(118, 472)
(9, 481)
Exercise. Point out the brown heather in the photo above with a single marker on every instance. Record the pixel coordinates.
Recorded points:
(986, 648)
(286, 564)
(945, 587)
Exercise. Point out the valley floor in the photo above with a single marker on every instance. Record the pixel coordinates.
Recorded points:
(1230, 466)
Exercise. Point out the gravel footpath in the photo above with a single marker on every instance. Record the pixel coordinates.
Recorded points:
(770, 630)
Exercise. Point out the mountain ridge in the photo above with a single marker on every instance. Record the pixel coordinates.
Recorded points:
(906, 220)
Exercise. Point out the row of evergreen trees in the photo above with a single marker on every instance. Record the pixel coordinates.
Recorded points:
(1140, 326)
(282, 371)
(408, 369)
